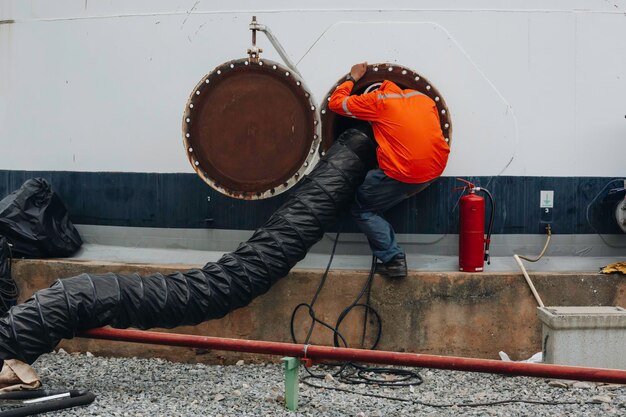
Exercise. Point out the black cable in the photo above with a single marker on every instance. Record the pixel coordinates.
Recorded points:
(75, 399)
(310, 305)
(365, 314)
(353, 373)
(490, 229)
(365, 290)
(589, 222)
(350, 372)
(459, 405)
(32, 394)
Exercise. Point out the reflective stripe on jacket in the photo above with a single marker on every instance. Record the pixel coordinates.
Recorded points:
(411, 146)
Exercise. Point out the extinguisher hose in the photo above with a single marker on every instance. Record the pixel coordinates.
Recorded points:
(490, 229)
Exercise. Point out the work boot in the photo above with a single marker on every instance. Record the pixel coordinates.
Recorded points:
(395, 268)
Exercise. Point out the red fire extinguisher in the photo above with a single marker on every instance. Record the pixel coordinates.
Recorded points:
(473, 246)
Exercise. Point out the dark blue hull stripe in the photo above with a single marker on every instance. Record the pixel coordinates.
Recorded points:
(185, 201)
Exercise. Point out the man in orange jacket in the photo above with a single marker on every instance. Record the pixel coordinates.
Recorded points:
(411, 154)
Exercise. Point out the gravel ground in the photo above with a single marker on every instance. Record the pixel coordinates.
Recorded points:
(155, 387)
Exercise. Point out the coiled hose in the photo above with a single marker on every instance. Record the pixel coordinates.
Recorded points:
(86, 301)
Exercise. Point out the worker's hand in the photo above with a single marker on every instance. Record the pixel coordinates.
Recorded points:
(358, 70)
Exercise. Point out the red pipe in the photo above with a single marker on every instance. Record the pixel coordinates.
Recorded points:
(318, 353)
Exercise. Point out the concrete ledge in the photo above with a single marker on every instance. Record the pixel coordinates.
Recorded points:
(451, 313)
(349, 262)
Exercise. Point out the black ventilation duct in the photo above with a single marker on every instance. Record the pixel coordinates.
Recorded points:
(86, 301)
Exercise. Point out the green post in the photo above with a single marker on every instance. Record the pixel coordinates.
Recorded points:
(292, 367)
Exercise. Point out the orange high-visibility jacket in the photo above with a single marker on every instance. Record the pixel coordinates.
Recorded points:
(411, 146)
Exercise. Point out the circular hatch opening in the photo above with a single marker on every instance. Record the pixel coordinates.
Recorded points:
(333, 124)
(251, 129)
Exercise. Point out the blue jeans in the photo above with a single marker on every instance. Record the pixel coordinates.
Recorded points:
(377, 194)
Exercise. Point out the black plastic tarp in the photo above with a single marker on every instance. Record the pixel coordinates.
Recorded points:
(86, 301)
(36, 222)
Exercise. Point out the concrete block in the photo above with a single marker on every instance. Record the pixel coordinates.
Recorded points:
(591, 336)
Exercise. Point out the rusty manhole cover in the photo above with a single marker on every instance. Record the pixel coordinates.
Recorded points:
(251, 129)
(333, 124)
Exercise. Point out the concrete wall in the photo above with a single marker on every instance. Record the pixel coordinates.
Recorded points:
(473, 315)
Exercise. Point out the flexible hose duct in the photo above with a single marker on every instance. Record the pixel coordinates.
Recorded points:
(72, 305)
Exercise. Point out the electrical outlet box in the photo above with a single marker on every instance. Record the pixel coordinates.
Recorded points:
(546, 204)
